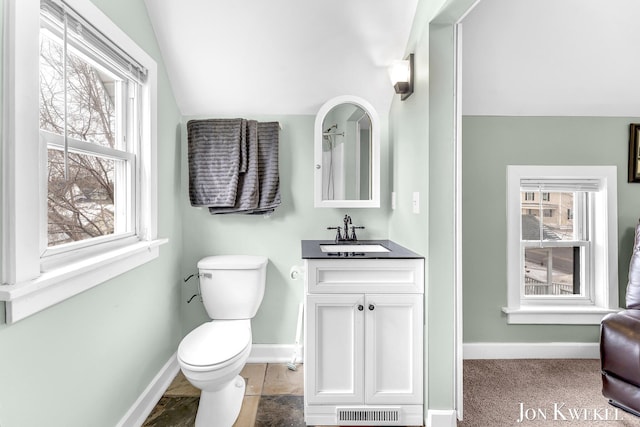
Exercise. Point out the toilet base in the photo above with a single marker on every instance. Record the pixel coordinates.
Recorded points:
(221, 408)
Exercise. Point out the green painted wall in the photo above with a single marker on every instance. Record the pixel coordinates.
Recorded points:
(2, 6)
(421, 157)
(86, 360)
(90, 357)
(277, 237)
(489, 145)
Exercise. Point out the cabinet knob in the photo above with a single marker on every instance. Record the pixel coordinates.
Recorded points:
(360, 307)
(372, 307)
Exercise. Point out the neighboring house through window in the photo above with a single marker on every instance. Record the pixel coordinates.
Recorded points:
(561, 268)
(81, 206)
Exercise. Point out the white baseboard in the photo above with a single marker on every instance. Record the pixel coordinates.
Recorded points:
(525, 350)
(441, 418)
(142, 407)
(274, 353)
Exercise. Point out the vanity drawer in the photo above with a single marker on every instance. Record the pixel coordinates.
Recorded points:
(380, 276)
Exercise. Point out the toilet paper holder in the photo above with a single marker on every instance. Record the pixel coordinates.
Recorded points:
(296, 272)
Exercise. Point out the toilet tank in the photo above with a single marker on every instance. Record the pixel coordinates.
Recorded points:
(232, 286)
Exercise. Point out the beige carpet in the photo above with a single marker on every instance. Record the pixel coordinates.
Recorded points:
(537, 393)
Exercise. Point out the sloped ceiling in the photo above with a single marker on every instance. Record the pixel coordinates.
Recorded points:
(552, 58)
(232, 57)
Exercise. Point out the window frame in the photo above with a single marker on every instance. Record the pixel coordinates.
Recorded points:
(587, 284)
(602, 295)
(28, 285)
(50, 255)
(584, 225)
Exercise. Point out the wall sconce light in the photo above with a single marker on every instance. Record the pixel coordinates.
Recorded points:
(401, 74)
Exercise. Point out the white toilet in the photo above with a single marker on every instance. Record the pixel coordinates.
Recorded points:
(212, 355)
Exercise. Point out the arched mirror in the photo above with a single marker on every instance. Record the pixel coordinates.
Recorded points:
(347, 154)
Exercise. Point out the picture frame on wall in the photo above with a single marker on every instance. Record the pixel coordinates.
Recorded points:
(634, 152)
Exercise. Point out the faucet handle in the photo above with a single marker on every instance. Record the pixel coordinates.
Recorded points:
(338, 235)
(353, 231)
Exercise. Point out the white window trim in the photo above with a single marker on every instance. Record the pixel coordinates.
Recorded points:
(605, 247)
(24, 288)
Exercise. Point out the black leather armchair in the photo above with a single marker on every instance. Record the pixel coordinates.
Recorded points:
(620, 344)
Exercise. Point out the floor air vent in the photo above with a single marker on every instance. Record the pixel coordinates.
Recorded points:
(369, 415)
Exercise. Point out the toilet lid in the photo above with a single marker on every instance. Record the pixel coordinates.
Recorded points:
(232, 262)
(215, 342)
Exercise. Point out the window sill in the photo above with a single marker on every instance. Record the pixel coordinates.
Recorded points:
(556, 315)
(57, 285)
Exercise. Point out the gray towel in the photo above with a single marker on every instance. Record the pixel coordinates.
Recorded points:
(214, 158)
(268, 166)
(248, 194)
(268, 171)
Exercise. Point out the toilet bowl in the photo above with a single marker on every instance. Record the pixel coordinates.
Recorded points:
(213, 354)
(211, 358)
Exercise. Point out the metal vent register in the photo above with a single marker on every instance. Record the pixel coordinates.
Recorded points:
(369, 415)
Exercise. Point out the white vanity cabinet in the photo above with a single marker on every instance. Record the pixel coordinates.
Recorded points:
(364, 341)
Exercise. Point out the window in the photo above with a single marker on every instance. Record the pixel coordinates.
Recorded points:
(89, 126)
(81, 207)
(561, 268)
(556, 252)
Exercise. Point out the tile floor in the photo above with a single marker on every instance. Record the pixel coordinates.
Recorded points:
(273, 398)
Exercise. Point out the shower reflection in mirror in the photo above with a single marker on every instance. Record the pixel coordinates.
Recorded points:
(346, 154)
(328, 147)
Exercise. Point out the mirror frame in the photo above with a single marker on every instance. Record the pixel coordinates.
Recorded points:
(374, 202)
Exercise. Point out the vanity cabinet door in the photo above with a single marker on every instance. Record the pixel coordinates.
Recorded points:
(394, 349)
(334, 345)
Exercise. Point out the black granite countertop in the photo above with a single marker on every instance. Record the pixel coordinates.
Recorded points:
(311, 250)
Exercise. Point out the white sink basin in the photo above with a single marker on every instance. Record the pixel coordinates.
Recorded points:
(353, 248)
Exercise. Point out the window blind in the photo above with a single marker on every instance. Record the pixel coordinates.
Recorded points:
(560, 184)
(65, 19)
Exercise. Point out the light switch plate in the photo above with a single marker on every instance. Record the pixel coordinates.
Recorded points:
(416, 202)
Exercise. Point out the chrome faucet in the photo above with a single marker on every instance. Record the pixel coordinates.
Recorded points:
(347, 222)
(338, 235)
(343, 236)
(353, 232)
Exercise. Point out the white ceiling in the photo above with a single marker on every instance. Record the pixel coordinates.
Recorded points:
(233, 57)
(552, 58)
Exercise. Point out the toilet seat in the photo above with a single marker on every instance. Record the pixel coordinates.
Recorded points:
(215, 344)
